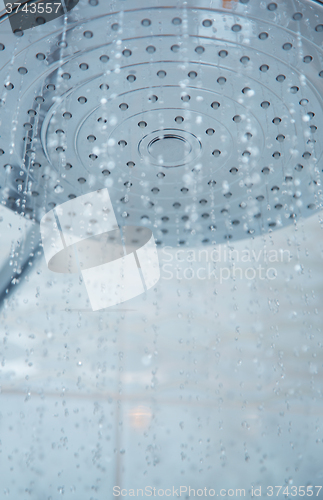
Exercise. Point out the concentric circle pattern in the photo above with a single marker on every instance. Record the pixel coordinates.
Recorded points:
(204, 124)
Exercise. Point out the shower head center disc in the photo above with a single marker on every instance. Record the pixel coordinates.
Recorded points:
(170, 148)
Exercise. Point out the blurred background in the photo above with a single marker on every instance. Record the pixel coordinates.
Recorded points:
(198, 382)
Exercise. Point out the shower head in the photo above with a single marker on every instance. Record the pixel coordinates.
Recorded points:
(202, 118)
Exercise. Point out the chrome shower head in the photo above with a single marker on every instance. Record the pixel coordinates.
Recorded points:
(201, 118)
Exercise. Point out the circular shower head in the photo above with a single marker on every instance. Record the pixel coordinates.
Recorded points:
(202, 118)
